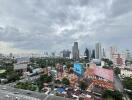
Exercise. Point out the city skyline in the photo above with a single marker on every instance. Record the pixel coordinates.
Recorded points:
(56, 25)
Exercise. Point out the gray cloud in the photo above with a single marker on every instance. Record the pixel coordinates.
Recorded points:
(54, 25)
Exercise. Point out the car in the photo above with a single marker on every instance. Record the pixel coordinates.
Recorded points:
(29, 93)
(16, 92)
(7, 96)
(3, 88)
(16, 98)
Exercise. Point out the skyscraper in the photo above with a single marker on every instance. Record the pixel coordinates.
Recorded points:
(86, 54)
(98, 53)
(66, 53)
(103, 54)
(93, 54)
(113, 50)
(128, 55)
(75, 51)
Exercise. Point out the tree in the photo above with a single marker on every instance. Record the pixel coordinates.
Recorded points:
(65, 81)
(43, 79)
(116, 95)
(26, 86)
(83, 85)
(127, 82)
(117, 70)
(57, 81)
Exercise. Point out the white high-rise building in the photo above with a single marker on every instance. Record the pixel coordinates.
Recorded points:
(113, 50)
(98, 51)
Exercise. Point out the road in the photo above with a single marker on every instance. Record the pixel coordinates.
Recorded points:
(10, 93)
(21, 93)
(119, 86)
(5, 95)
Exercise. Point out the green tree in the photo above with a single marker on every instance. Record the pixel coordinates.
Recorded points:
(127, 82)
(111, 95)
(82, 85)
(43, 79)
(65, 81)
(117, 70)
(57, 81)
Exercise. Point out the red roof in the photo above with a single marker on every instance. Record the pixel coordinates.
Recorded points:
(104, 73)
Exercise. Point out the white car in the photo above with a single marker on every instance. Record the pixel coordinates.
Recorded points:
(16, 98)
(3, 88)
(7, 96)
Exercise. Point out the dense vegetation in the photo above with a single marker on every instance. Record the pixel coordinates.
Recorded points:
(26, 86)
(112, 95)
(65, 81)
(83, 85)
(127, 82)
(43, 79)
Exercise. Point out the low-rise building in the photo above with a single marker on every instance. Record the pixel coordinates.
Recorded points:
(22, 67)
(126, 72)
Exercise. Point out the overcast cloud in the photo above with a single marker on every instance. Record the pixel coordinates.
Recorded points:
(53, 25)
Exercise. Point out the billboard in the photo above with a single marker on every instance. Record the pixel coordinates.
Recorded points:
(78, 68)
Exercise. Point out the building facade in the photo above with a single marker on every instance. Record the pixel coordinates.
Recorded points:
(119, 59)
(98, 51)
(65, 53)
(126, 73)
(87, 54)
(75, 51)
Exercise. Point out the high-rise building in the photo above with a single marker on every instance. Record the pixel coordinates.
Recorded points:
(75, 51)
(87, 54)
(103, 54)
(128, 55)
(65, 53)
(113, 50)
(98, 51)
(93, 54)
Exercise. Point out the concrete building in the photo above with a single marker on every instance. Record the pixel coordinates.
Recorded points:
(75, 51)
(98, 51)
(20, 67)
(93, 54)
(87, 54)
(104, 53)
(65, 53)
(113, 50)
(126, 73)
(23, 60)
(119, 59)
(128, 55)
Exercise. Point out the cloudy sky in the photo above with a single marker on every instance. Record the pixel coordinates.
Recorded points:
(53, 25)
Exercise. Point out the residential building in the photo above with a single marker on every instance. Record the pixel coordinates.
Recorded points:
(65, 53)
(98, 51)
(119, 59)
(126, 72)
(75, 51)
(113, 50)
(103, 54)
(128, 55)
